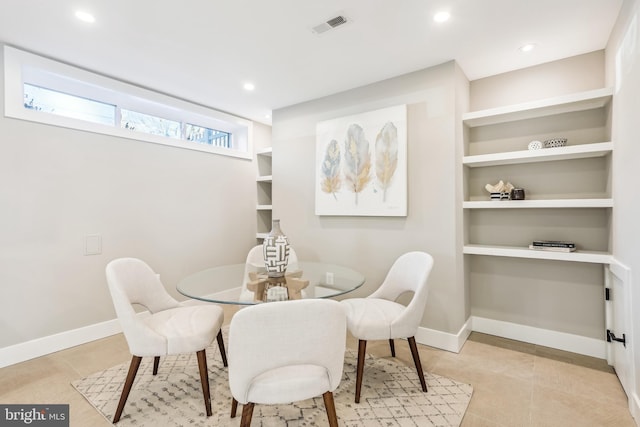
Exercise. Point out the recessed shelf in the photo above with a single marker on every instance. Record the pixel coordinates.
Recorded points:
(596, 257)
(261, 235)
(265, 152)
(528, 204)
(265, 178)
(546, 107)
(264, 207)
(582, 151)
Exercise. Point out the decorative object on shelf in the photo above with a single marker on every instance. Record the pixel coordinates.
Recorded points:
(517, 194)
(555, 142)
(275, 250)
(535, 145)
(553, 246)
(499, 191)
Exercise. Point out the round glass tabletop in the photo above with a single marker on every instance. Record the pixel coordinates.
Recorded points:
(248, 284)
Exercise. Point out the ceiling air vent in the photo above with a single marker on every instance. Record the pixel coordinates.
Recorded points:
(329, 25)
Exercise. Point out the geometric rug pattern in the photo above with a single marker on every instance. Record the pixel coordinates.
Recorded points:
(391, 396)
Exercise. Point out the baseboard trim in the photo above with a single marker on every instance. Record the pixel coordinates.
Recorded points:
(42, 346)
(444, 340)
(545, 337)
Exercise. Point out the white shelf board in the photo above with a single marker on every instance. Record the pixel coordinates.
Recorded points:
(563, 104)
(528, 204)
(265, 152)
(264, 207)
(596, 257)
(570, 152)
(265, 178)
(261, 235)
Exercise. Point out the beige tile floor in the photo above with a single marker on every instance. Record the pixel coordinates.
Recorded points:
(515, 384)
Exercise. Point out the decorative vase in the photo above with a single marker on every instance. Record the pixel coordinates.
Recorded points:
(275, 250)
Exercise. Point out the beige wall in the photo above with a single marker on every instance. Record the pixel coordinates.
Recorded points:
(180, 210)
(371, 244)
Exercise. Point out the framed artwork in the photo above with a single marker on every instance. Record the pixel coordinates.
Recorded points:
(361, 164)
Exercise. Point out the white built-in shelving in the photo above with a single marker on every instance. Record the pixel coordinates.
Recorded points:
(494, 148)
(264, 187)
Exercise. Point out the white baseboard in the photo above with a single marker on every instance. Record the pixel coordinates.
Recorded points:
(634, 407)
(444, 340)
(52, 343)
(545, 337)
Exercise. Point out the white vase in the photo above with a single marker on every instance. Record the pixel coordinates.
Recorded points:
(275, 250)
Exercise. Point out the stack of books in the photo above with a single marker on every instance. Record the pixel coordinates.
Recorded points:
(552, 245)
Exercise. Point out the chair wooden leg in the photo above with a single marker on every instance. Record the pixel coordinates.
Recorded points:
(362, 346)
(416, 360)
(247, 413)
(204, 379)
(392, 346)
(223, 353)
(156, 363)
(131, 375)
(331, 409)
(234, 407)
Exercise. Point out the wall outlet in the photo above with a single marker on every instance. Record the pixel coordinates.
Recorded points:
(92, 244)
(329, 278)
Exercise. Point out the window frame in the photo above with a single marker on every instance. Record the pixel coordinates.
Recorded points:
(22, 67)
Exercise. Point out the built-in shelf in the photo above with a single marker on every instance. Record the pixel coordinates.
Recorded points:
(264, 207)
(529, 204)
(265, 151)
(596, 257)
(261, 235)
(544, 155)
(546, 107)
(266, 178)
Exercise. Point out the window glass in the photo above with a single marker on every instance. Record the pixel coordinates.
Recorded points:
(147, 123)
(42, 90)
(62, 104)
(208, 136)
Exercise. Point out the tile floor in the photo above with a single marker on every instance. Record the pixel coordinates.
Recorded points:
(515, 384)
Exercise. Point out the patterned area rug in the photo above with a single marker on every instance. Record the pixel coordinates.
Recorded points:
(391, 396)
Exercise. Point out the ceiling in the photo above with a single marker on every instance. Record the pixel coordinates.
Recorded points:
(205, 50)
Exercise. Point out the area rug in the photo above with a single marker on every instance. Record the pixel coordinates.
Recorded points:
(391, 396)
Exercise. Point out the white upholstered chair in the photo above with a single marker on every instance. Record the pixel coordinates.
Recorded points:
(255, 263)
(171, 328)
(380, 317)
(287, 351)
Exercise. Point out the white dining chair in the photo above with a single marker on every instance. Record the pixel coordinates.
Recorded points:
(380, 317)
(282, 352)
(170, 328)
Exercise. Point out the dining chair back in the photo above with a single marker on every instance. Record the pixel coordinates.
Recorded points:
(282, 352)
(379, 316)
(169, 328)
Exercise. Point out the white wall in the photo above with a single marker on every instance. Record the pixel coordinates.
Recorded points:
(371, 244)
(623, 71)
(180, 210)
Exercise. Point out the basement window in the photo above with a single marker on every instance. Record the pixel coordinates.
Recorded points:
(46, 91)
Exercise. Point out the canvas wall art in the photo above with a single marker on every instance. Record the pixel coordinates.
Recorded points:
(361, 164)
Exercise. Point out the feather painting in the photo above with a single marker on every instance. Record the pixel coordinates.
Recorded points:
(386, 156)
(330, 169)
(357, 160)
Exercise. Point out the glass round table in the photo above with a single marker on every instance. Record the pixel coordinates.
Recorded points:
(247, 284)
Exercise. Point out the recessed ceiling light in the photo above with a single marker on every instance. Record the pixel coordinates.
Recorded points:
(85, 16)
(249, 86)
(442, 16)
(527, 47)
